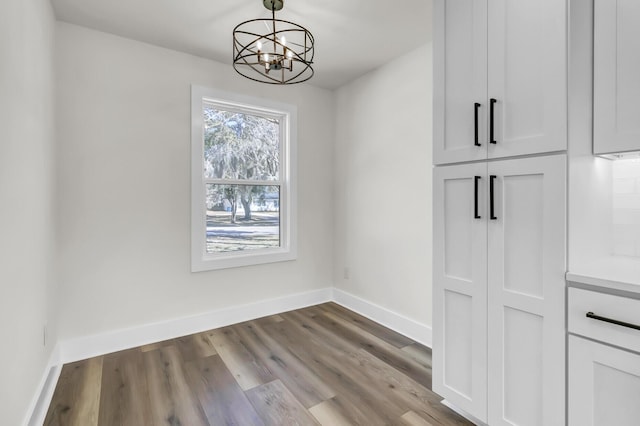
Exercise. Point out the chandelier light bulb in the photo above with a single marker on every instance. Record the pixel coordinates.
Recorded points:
(259, 45)
(283, 41)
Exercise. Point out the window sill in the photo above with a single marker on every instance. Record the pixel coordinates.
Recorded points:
(228, 260)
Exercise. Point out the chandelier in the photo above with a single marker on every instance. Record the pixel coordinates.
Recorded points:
(272, 50)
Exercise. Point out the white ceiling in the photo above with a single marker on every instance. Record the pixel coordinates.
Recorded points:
(352, 36)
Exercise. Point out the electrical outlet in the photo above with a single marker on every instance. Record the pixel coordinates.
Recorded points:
(346, 273)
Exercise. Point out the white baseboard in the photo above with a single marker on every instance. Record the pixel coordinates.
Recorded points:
(399, 323)
(80, 348)
(42, 397)
(117, 340)
(76, 349)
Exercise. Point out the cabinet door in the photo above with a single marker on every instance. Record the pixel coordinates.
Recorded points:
(604, 385)
(460, 80)
(527, 76)
(526, 292)
(616, 62)
(459, 287)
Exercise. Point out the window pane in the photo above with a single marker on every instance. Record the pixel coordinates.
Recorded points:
(242, 217)
(240, 146)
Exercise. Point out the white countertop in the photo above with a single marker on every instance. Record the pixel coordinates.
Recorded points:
(618, 273)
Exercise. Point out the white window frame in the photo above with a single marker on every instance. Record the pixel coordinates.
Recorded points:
(288, 117)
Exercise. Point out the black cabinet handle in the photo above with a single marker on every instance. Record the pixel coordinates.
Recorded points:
(475, 197)
(491, 120)
(491, 207)
(612, 321)
(476, 107)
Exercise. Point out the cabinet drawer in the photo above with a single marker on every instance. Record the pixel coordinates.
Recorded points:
(609, 306)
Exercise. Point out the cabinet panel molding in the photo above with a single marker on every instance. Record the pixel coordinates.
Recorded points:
(500, 79)
(528, 76)
(535, 307)
(604, 384)
(508, 327)
(459, 292)
(460, 80)
(616, 66)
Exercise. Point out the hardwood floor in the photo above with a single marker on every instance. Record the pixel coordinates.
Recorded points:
(319, 365)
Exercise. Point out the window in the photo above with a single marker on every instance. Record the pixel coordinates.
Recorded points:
(242, 180)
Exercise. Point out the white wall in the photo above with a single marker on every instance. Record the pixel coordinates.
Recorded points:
(124, 160)
(27, 284)
(382, 211)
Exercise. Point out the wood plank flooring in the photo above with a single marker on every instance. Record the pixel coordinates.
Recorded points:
(322, 365)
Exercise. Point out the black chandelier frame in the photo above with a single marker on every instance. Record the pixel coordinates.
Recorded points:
(281, 62)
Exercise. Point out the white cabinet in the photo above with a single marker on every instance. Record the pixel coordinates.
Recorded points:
(460, 286)
(498, 289)
(502, 56)
(459, 81)
(616, 111)
(604, 384)
(604, 380)
(526, 292)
